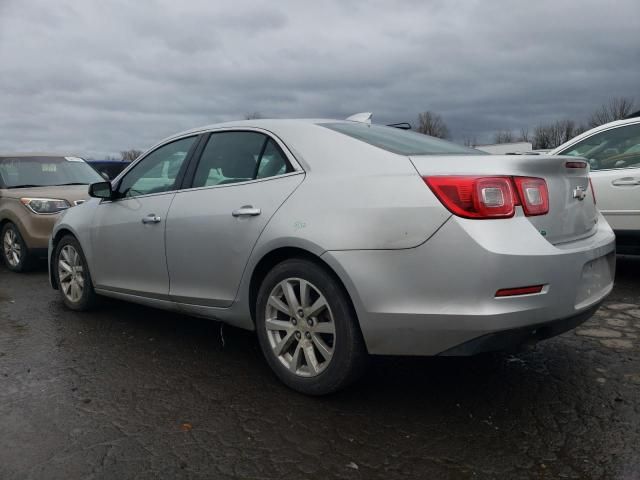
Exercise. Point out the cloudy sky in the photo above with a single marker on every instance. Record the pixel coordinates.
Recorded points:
(96, 77)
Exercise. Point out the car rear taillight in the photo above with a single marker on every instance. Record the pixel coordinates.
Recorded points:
(534, 195)
(475, 197)
(490, 197)
(593, 192)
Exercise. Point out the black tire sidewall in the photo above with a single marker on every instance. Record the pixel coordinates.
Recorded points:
(24, 257)
(88, 299)
(349, 355)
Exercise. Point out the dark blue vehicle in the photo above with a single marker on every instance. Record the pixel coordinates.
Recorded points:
(109, 169)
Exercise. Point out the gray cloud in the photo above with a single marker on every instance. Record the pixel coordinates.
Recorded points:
(96, 77)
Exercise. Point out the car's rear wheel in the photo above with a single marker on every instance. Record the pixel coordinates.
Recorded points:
(15, 253)
(307, 328)
(72, 275)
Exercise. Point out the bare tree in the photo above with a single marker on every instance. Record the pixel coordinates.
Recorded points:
(252, 116)
(130, 155)
(551, 135)
(503, 136)
(112, 158)
(470, 141)
(524, 135)
(431, 123)
(616, 109)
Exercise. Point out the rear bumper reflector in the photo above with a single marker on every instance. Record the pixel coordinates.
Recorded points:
(511, 292)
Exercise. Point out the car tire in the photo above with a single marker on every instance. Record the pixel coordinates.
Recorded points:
(325, 350)
(72, 275)
(15, 253)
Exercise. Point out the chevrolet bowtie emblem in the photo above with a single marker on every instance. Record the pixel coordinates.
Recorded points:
(579, 193)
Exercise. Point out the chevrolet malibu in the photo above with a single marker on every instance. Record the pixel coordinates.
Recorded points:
(338, 239)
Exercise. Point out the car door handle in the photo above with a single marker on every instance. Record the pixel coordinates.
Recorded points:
(625, 182)
(246, 211)
(151, 218)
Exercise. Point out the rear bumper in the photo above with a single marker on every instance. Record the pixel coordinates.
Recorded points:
(517, 338)
(433, 298)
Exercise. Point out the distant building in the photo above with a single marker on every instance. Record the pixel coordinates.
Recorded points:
(502, 148)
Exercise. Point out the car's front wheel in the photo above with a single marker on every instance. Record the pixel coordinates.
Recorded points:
(14, 251)
(72, 275)
(307, 329)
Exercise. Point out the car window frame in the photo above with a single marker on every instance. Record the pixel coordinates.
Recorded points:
(179, 177)
(574, 144)
(187, 183)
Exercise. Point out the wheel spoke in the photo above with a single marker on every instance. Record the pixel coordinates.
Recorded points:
(290, 295)
(296, 359)
(305, 292)
(279, 305)
(310, 356)
(64, 275)
(324, 327)
(322, 347)
(284, 344)
(318, 306)
(65, 266)
(278, 325)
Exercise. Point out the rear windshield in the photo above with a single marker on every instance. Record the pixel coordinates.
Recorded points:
(402, 142)
(45, 172)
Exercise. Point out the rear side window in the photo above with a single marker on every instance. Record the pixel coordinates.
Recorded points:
(232, 157)
(402, 142)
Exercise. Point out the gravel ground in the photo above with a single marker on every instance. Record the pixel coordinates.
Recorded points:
(132, 392)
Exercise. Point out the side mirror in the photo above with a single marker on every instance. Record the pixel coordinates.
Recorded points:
(101, 190)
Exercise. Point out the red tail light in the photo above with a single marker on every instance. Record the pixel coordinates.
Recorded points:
(534, 195)
(475, 197)
(490, 197)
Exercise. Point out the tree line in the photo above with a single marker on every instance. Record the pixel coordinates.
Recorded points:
(544, 135)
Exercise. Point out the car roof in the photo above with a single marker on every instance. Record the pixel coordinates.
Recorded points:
(270, 124)
(599, 128)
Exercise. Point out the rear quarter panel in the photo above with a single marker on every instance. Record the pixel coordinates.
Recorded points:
(354, 196)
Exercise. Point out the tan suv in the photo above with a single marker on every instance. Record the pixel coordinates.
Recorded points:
(34, 189)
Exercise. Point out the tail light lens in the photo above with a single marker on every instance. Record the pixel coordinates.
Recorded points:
(475, 197)
(490, 197)
(534, 195)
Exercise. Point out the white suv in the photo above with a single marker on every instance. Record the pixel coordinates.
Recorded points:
(613, 152)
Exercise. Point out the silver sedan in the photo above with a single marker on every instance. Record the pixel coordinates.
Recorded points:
(337, 239)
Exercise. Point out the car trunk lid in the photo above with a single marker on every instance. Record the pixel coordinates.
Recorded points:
(572, 212)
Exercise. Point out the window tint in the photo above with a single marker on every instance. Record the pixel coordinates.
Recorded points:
(402, 142)
(156, 172)
(615, 148)
(272, 162)
(231, 157)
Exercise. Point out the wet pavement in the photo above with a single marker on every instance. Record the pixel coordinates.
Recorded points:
(132, 392)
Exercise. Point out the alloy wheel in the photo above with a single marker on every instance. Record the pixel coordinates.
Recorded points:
(71, 273)
(12, 248)
(300, 327)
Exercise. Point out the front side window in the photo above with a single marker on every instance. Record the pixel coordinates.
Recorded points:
(158, 171)
(232, 157)
(44, 171)
(615, 148)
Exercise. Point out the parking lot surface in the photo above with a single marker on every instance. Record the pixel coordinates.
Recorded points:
(132, 392)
